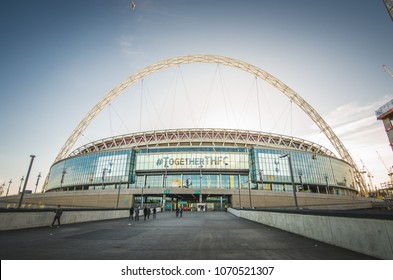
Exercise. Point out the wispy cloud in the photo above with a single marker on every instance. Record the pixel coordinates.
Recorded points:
(351, 112)
(130, 48)
(353, 121)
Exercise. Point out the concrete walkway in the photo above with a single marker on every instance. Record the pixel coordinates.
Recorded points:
(195, 236)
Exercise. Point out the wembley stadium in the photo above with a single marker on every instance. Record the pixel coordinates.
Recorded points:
(212, 168)
(204, 168)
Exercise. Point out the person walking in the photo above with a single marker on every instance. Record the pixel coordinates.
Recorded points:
(154, 212)
(181, 211)
(131, 217)
(58, 214)
(148, 213)
(137, 214)
(145, 213)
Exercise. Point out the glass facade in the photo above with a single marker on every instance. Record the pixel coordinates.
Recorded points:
(93, 170)
(202, 168)
(199, 167)
(272, 166)
(173, 160)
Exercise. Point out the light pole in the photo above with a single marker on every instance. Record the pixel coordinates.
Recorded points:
(103, 176)
(20, 186)
(164, 186)
(240, 201)
(249, 191)
(300, 179)
(62, 177)
(142, 197)
(27, 178)
(261, 177)
(200, 183)
(9, 185)
(110, 167)
(327, 184)
(36, 184)
(165, 176)
(118, 195)
(144, 185)
(292, 179)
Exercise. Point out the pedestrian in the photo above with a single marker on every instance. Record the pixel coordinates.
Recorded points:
(58, 214)
(154, 212)
(131, 217)
(137, 214)
(177, 211)
(145, 213)
(148, 213)
(181, 211)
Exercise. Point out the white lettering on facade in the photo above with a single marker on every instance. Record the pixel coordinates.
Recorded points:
(193, 162)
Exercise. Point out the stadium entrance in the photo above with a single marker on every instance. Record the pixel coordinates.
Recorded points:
(189, 202)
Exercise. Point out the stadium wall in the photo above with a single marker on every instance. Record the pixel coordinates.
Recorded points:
(364, 235)
(259, 199)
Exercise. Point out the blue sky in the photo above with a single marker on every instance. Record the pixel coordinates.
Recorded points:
(59, 58)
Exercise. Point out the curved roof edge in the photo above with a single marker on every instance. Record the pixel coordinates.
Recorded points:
(201, 137)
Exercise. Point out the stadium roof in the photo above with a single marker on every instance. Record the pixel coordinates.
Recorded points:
(201, 137)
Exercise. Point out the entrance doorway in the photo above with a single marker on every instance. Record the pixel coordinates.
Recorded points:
(189, 202)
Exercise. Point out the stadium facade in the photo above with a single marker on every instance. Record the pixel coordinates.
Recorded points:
(210, 167)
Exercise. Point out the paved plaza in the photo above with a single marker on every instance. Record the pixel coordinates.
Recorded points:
(195, 236)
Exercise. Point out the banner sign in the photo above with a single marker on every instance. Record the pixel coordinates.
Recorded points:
(197, 161)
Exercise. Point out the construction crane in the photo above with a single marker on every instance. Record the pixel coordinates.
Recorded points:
(389, 170)
(388, 69)
(371, 186)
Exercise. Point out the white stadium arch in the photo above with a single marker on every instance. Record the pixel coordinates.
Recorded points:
(227, 61)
